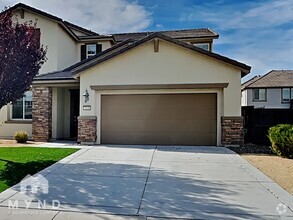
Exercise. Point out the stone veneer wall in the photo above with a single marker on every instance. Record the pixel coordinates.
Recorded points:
(232, 131)
(42, 113)
(87, 129)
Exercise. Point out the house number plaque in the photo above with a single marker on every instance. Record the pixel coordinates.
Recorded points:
(86, 107)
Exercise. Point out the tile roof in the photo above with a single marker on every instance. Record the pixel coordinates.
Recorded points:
(248, 82)
(176, 34)
(129, 44)
(274, 79)
(119, 37)
(58, 75)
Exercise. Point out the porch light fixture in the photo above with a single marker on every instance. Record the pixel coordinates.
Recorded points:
(86, 96)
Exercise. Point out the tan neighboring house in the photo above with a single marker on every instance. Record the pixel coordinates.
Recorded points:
(166, 87)
(272, 90)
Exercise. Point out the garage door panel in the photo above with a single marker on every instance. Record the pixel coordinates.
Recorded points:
(161, 139)
(187, 119)
(156, 125)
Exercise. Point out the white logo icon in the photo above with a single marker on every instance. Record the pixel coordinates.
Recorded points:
(281, 208)
(34, 184)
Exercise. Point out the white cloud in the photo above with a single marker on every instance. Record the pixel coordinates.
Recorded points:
(159, 26)
(257, 33)
(109, 16)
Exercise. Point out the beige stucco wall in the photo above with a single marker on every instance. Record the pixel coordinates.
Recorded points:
(49, 37)
(66, 53)
(61, 51)
(57, 113)
(171, 65)
(7, 130)
(105, 45)
(60, 113)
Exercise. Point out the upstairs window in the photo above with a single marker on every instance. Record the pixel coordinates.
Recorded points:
(22, 108)
(287, 94)
(205, 46)
(259, 95)
(89, 50)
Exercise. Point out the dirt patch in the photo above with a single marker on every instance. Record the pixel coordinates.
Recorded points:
(277, 168)
(13, 143)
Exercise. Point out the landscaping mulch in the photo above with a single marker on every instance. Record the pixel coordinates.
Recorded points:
(252, 149)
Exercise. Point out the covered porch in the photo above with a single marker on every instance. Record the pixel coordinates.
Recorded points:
(55, 111)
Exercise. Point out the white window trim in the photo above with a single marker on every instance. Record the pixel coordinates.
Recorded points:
(290, 95)
(90, 55)
(23, 112)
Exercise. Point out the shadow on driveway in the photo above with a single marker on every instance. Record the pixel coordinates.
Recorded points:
(133, 188)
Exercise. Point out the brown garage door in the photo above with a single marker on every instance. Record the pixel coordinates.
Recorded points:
(168, 119)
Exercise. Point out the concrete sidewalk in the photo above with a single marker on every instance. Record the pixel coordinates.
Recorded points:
(147, 182)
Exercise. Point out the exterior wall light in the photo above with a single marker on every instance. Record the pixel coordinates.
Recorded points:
(86, 96)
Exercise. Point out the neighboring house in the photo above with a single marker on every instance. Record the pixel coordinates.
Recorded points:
(272, 90)
(165, 87)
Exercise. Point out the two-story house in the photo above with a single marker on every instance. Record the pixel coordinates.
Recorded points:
(272, 90)
(165, 87)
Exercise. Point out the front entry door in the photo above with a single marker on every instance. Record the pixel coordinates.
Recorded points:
(74, 112)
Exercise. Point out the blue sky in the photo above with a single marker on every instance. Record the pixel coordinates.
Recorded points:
(258, 33)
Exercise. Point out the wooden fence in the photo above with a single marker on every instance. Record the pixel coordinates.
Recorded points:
(258, 121)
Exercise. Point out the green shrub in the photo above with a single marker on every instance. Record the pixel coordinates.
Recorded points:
(21, 136)
(281, 137)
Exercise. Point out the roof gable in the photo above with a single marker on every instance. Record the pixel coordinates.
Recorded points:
(274, 79)
(248, 82)
(99, 59)
(65, 24)
(129, 44)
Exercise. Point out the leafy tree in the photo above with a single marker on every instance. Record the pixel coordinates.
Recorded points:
(21, 57)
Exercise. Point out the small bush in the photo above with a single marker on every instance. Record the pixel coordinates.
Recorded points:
(21, 136)
(281, 137)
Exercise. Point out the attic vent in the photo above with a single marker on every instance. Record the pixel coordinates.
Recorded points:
(156, 45)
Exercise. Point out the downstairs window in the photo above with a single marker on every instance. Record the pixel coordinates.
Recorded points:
(22, 108)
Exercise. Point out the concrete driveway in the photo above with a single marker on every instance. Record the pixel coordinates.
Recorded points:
(148, 182)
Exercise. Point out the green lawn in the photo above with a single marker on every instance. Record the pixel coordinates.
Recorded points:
(17, 162)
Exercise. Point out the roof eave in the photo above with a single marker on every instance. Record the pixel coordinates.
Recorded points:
(55, 81)
(97, 39)
(65, 24)
(243, 67)
(196, 38)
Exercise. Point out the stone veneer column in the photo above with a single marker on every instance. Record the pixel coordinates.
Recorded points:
(87, 129)
(42, 113)
(232, 131)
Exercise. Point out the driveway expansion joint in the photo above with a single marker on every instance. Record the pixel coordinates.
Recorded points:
(55, 215)
(261, 182)
(146, 181)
